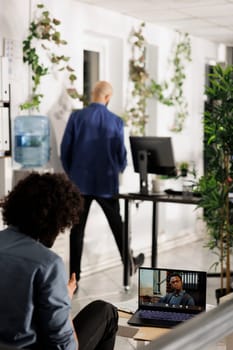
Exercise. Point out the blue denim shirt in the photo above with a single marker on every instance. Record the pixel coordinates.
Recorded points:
(34, 301)
(92, 150)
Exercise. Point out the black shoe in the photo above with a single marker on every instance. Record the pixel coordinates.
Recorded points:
(135, 263)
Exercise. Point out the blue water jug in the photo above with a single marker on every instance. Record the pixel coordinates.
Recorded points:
(31, 140)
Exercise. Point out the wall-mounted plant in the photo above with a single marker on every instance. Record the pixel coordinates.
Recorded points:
(143, 87)
(169, 93)
(44, 34)
(135, 116)
(180, 56)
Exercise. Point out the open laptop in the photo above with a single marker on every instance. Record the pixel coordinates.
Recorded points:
(160, 301)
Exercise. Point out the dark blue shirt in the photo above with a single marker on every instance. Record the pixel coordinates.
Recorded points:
(181, 298)
(92, 150)
(34, 301)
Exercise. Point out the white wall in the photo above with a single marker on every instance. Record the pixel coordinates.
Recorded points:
(88, 27)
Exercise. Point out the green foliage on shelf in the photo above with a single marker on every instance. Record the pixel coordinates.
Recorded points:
(44, 34)
(217, 182)
(143, 87)
(185, 168)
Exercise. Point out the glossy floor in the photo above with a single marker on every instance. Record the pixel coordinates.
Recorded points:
(107, 285)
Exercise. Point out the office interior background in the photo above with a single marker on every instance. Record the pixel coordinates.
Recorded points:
(105, 32)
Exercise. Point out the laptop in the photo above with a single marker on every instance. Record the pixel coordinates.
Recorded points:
(168, 297)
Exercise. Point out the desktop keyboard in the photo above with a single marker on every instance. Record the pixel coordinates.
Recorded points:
(150, 194)
(171, 192)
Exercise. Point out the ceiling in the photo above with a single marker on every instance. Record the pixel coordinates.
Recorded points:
(209, 19)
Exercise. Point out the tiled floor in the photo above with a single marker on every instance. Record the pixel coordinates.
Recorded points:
(107, 285)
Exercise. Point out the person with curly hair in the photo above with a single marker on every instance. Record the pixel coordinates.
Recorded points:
(35, 293)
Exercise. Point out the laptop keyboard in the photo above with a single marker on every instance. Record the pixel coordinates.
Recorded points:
(165, 315)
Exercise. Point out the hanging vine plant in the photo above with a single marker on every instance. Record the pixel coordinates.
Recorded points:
(136, 116)
(181, 55)
(43, 33)
(170, 94)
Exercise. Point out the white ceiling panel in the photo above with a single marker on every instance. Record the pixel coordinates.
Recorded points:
(209, 19)
(209, 11)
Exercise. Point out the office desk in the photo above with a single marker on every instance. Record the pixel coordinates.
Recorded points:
(155, 199)
(139, 334)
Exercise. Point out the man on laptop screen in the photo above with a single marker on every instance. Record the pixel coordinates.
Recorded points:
(178, 296)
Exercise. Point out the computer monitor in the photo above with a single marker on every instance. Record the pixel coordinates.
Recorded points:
(152, 155)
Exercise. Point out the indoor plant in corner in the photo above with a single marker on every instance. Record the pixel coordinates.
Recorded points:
(216, 184)
(32, 131)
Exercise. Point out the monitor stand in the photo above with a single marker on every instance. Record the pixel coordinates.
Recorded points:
(142, 163)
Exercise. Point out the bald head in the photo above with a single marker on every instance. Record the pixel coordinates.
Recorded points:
(102, 92)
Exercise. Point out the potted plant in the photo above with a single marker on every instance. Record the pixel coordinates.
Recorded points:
(184, 168)
(216, 184)
(32, 132)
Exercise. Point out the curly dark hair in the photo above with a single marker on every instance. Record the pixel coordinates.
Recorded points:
(43, 205)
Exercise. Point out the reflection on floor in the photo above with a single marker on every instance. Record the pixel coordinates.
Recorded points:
(107, 285)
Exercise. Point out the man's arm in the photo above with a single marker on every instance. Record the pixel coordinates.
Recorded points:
(66, 144)
(190, 300)
(72, 285)
(165, 299)
(52, 307)
(122, 153)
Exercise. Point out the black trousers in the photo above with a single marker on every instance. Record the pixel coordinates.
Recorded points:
(96, 326)
(111, 209)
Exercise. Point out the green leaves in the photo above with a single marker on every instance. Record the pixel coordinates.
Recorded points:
(43, 28)
(181, 55)
(169, 92)
(33, 102)
(218, 120)
(216, 184)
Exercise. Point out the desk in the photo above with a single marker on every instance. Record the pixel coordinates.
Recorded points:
(155, 199)
(139, 334)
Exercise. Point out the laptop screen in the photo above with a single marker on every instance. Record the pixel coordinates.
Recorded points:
(172, 289)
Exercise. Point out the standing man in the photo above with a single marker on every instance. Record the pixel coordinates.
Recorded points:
(93, 154)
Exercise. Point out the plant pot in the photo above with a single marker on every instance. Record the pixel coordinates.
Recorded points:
(184, 172)
(31, 140)
(221, 292)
